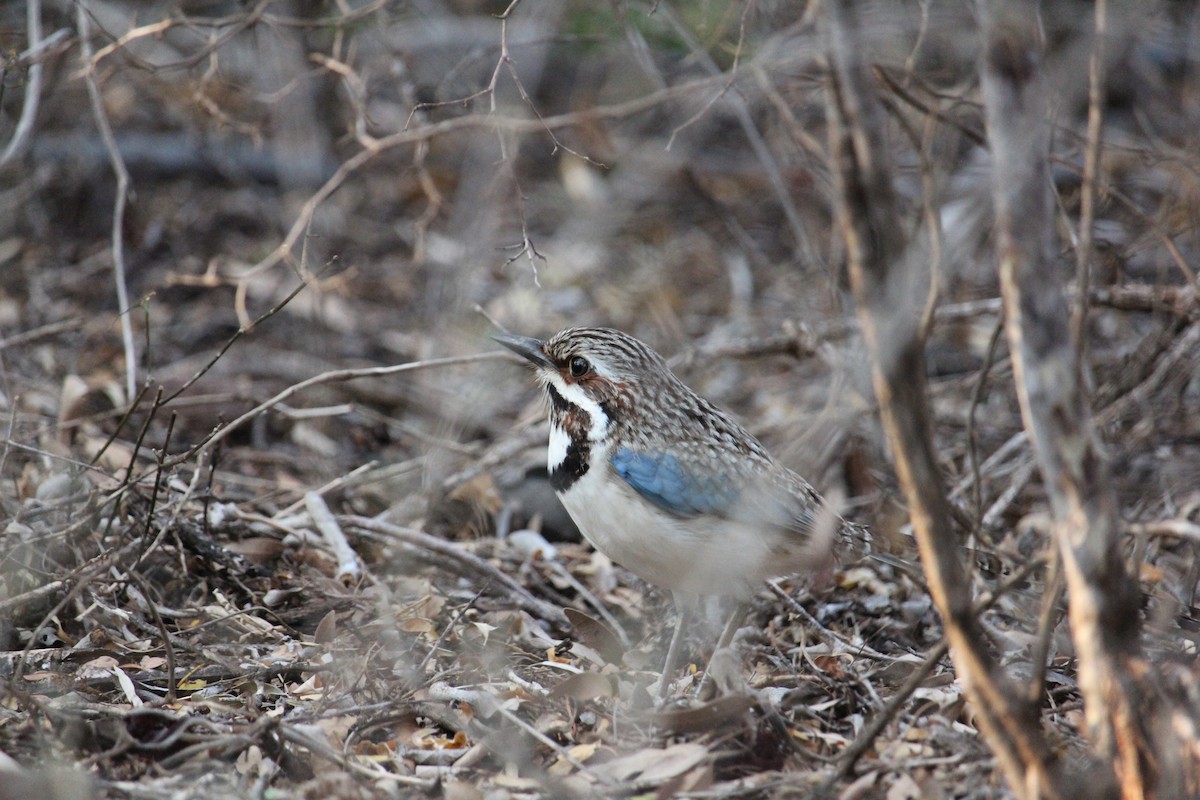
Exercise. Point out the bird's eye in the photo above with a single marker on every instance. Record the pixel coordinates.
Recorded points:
(579, 367)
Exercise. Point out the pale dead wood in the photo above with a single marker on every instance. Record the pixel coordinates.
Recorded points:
(890, 316)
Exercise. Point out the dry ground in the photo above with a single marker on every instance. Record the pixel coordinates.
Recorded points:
(252, 573)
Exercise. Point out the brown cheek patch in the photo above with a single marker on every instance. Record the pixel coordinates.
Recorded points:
(601, 389)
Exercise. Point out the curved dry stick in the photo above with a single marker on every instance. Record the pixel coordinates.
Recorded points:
(880, 719)
(33, 86)
(83, 20)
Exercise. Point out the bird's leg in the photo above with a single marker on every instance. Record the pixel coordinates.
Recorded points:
(731, 626)
(681, 622)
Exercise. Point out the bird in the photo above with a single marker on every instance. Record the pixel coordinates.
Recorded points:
(664, 482)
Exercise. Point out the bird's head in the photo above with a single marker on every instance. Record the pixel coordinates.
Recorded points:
(591, 368)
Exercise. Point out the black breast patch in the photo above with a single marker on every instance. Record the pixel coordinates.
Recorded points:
(572, 468)
(575, 423)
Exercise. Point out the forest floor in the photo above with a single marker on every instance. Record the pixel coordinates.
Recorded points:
(304, 545)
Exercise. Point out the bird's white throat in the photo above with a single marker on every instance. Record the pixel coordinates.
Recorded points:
(577, 398)
(560, 440)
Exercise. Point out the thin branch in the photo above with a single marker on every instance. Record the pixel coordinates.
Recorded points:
(1087, 189)
(49, 329)
(83, 21)
(972, 438)
(33, 85)
(506, 62)
(438, 129)
(881, 717)
(733, 72)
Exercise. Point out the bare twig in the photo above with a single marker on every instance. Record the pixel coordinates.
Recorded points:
(507, 63)
(827, 636)
(16, 601)
(49, 329)
(349, 565)
(239, 333)
(434, 130)
(1087, 189)
(33, 85)
(526, 247)
(230, 26)
(1048, 620)
(333, 376)
(703, 110)
(83, 19)
(1183, 528)
(168, 648)
(502, 451)
(972, 443)
(881, 717)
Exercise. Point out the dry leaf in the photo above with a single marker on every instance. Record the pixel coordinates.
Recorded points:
(706, 717)
(580, 753)
(261, 550)
(831, 666)
(585, 686)
(460, 790)
(860, 787)
(484, 629)
(596, 635)
(418, 625)
(249, 760)
(653, 765)
(326, 630)
(127, 687)
(97, 667)
(439, 742)
(905, 788)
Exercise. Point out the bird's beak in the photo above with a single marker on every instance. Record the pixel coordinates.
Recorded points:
(528, 347)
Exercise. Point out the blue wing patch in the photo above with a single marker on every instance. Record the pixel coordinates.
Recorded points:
(671, 486)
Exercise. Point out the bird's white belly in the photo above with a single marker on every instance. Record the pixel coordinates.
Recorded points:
(700, 555)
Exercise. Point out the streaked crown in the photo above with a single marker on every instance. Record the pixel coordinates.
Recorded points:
(601, 363)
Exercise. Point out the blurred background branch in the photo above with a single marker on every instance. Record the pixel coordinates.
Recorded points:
(884, 274)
